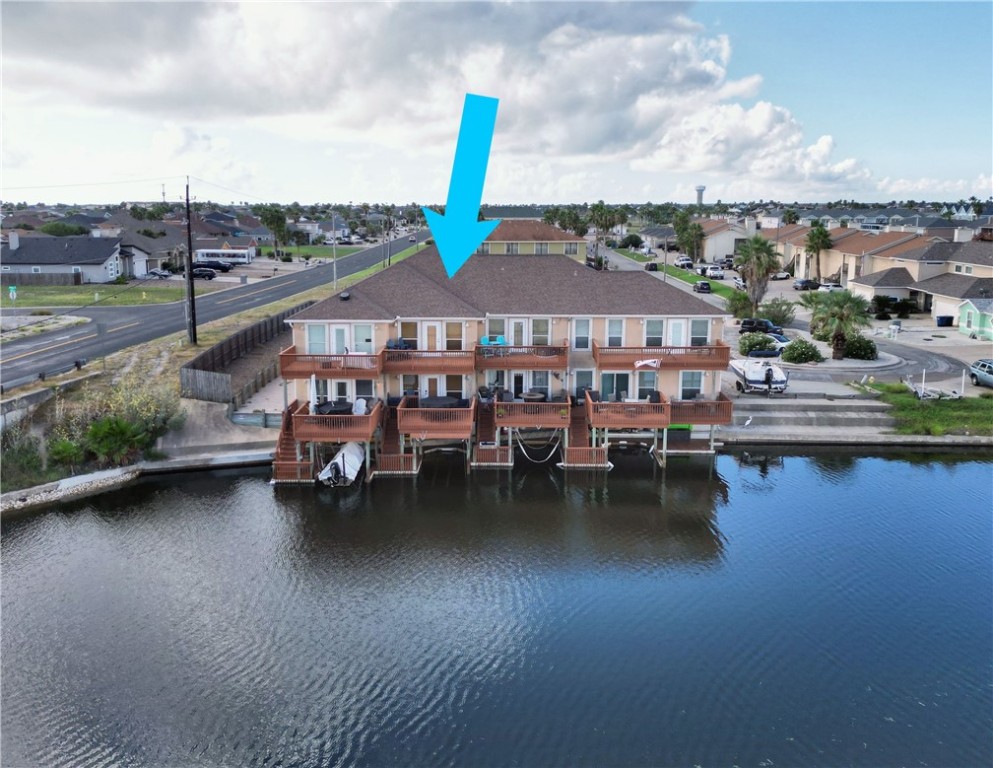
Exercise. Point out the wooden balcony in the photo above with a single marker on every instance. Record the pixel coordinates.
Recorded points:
(525, 358)
(717, 411)
(296, 366)
(710, 358)
(335, 428)
(531, 415)
(629, 415)
(436, 423)
(428, 361)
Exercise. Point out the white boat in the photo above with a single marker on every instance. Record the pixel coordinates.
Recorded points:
(758, 375)
(344, 467)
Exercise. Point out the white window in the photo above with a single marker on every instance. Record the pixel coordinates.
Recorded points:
(513, 248)
(408, 335)
(539, 381)
(968, 270)
(958, 267)
(571, 249)
(699, 332)
(453, 336)
(483, 248)
(614, 386)
(654, 333)
(496, 326)
(968, 319)
(364, 388)
(317, 339)
(541, 249)
(5, 268)
(35, 270)
(75, 270)
(615, 332)
(453, 385)
(690, 384)
(540, 332)
(581, 333)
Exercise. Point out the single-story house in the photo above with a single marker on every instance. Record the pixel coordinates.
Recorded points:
(94, 259)
(975, 318)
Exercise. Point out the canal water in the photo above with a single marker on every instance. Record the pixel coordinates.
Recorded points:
(814, 610)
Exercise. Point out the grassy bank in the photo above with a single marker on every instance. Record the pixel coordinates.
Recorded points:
(964, 416)
(313, 251)
(136, 292)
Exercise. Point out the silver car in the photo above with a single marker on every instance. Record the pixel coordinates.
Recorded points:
(981, 373)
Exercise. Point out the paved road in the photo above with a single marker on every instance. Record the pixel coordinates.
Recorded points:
(115, 328)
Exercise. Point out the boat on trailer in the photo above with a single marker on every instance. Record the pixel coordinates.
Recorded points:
(758, 375)
(345, 467)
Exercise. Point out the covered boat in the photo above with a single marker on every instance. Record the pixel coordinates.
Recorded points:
(344, 467)
(757, 375)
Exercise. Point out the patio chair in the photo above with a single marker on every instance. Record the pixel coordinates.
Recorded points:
(654, 397)
(506, 396)
(359, 409)
(594, 395)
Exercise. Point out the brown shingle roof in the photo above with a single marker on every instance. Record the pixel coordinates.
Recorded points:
(957, 286)
(418, 287)
(894, 277)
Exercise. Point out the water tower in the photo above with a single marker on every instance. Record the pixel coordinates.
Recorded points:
(699, 194)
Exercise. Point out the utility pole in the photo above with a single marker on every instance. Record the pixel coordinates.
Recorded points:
(191, 306)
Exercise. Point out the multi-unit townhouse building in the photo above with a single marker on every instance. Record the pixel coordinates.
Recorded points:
(512, 346)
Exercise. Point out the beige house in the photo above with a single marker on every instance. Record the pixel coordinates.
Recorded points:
(526, 237)
(555, 345)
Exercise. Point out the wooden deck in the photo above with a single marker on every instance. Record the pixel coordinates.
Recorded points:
(436, 423)
(522, 358)
(297, 366)
(427, 362)
(702, 412)
(532, 415)
(318, 428)
(714, 357)
(639, 415)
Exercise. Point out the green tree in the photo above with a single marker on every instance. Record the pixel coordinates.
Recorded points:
(756, 261)
(274, 219)
(818, 239)
(61, 229)
(790, 216)
(835, 316)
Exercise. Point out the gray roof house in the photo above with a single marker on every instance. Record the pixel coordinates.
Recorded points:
(78, 259)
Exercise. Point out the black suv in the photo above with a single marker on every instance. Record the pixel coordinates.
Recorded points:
(203, 273)
(758, 325)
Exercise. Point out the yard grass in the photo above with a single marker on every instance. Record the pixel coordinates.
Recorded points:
(964, 416)
(634, 255)
(136, 292)
(314, 251)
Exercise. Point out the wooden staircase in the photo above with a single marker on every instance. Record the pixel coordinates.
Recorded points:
(286, 468)
(578, 454)
(389, 460)
(489, 455)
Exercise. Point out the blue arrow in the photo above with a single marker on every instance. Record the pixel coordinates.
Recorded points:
(457, 232)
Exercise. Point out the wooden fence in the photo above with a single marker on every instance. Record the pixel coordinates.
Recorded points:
(205, 376)
(41, 278)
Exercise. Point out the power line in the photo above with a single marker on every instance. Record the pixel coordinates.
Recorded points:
(93, 183)
(233, 191)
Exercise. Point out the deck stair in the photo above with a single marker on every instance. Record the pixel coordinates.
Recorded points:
(286, 467)
(485, 453)
(389, 459)
(579, 454)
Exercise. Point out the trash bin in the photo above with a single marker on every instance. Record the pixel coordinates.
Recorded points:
(244, 279)
(945, 321)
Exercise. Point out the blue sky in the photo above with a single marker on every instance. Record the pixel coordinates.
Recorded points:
(628, 102)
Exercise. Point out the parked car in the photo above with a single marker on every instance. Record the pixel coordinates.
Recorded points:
(740, 284)
(217, 266)
(714, 272)
(683, 262)
(204, 273)
(652, 266)
(805, 284)
(161, 274)
(829, 287)
(981, 373)
(758, 325)
(411, 239)
(781, 275)
(779, 340)
(702, 286)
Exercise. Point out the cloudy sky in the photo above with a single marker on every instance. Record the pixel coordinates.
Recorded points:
(628, 102)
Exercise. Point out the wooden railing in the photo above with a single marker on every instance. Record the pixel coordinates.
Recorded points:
(428, 361)
(586, 457)
(335, 428)
(396, 464)
(631, 415)
(436, 423)
(714, 357)
(717, 411)
(518, 358)
(296, 366)
(527, 415)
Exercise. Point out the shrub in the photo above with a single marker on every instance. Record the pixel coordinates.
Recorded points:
(286, 257)
(610, 243)
(22, 464)
(860, 348)
(802, 351)
(114, 440)
(40, 312)
(903, 308)
(753, 341)
(780, 311)
(632, 241)
(66, 452)
(738, 304)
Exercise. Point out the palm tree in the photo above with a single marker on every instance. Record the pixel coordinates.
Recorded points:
(694, 239)
(790, 216)
(757, 260)
(818, 239)
(837, 315)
